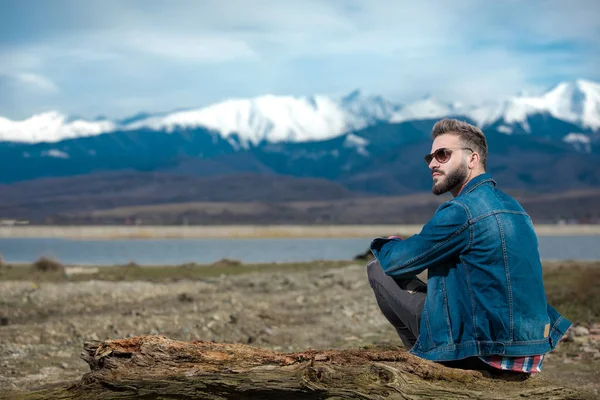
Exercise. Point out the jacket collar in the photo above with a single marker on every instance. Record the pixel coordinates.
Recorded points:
(476, 182)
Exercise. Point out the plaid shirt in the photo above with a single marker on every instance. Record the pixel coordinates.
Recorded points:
(528, 364)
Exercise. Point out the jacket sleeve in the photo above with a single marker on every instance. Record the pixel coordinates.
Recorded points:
(440, 240)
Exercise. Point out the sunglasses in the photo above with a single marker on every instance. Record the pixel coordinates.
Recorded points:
(443, 155)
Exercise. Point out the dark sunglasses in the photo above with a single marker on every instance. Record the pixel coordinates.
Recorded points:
(443, 155)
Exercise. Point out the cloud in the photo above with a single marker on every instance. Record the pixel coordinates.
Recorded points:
(190, 53)
(25, 93)
(203, 48)
(36, 82)
(31, 83)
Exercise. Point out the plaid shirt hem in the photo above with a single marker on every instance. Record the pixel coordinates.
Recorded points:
(528, 364)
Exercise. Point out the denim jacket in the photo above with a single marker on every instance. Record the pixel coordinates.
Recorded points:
(485, 294)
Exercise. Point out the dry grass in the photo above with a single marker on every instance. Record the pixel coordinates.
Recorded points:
(136, 272)
(572, 288)
(45, 264)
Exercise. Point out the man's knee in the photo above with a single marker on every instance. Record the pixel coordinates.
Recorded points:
(374, 271)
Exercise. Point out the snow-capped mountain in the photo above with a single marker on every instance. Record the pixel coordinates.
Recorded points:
(265, 118)
(297, 119)
(51, 127)
(277, 118)
(577, 102)
(372, 109)
(428, 108)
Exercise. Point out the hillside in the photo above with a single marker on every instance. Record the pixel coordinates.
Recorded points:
(284, 150)
(39, 199)
(322, 204)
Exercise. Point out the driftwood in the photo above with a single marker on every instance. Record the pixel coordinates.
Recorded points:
(155, 367)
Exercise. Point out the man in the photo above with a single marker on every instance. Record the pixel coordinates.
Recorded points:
(484, 304)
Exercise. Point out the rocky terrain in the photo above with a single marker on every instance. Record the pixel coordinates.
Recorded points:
(44, 322)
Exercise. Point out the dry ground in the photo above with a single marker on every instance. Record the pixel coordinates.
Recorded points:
(46, 315)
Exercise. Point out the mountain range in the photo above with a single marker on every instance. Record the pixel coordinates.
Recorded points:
(353, 146)
(296, 119)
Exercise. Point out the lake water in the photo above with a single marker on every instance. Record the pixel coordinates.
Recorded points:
(203, 251)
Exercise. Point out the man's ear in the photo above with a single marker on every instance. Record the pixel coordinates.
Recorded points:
(474, 160)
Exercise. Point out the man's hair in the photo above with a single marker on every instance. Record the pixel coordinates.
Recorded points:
(470, 136)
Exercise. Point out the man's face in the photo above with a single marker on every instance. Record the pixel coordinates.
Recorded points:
(453, 173)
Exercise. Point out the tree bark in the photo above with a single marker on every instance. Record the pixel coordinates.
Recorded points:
(155, 367)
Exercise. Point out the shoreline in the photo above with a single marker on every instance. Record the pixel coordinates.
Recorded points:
(249, 231)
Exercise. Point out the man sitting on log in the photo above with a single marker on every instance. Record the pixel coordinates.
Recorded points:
(484, 305)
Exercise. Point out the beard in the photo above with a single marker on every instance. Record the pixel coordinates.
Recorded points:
(453, 179)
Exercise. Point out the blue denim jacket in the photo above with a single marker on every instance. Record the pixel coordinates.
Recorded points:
(485, 294)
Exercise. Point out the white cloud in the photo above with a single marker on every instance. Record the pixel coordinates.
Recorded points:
(203, 48)
(189, 53)
(29, 82)
(36, 81)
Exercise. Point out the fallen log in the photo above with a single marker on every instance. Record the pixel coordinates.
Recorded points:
(155, 367)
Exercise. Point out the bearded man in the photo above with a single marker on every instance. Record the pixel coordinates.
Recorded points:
(484, 305)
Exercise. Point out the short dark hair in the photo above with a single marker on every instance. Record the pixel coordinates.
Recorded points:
(470, 136)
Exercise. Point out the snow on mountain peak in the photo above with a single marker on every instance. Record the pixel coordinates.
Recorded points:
(50, 127)
(514, 110)
(273, 118)
(427, 108)
(357, 142)
(576, 101)
(278, 118)
(286, 118)
(580, 141)
(371, 109)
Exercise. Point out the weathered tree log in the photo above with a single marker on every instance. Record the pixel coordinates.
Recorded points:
(155, 367)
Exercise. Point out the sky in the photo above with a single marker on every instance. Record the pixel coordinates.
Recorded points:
(117, 58)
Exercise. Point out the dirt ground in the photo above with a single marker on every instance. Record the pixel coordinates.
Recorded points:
(43, 324)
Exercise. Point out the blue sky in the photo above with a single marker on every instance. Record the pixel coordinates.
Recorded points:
(117, 58)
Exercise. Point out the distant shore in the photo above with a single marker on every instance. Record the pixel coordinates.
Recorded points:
(249, 231)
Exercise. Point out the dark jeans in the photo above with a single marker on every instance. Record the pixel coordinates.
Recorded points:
(401, 301)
